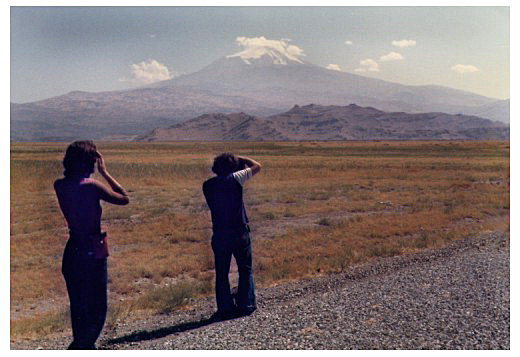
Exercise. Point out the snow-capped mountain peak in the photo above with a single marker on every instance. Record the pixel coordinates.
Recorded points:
(257, 49)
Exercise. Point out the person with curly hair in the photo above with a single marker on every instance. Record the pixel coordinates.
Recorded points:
(84, 264)
(224, 196)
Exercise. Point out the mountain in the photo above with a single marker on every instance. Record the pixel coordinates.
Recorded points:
(498, 111)
(126, 113)
(282, 85)
(317, 122)
(260, 83)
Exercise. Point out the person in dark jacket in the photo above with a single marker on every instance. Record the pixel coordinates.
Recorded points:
(224, 196)
(84, 265)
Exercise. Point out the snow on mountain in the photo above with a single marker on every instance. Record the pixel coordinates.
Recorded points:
(263, 78)
(261, 49)
(280, 82)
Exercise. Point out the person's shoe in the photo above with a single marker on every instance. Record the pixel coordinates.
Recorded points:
(245, 311)
(72, 346)
(75, 346)
(223, 315)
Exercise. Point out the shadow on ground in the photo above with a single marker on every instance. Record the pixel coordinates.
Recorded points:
(163, 332)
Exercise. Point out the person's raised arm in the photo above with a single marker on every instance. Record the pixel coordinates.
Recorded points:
(254, 165)
(119, 196)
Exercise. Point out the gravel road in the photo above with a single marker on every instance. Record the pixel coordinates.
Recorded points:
(456, 297)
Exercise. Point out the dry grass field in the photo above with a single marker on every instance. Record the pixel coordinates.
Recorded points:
(315, 208)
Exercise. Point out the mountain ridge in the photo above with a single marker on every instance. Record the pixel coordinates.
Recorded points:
(228, 85)
(329, 123)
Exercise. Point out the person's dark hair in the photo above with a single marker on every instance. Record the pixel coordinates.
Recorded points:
(80, 158)
(225, 164)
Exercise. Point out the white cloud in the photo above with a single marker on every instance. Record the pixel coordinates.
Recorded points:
(404, 43)
(278, 50)
(464, 68)
(333, 67)
(368, 65)
(149, 72)
(392, 56)
(348, 42)
(295, 51)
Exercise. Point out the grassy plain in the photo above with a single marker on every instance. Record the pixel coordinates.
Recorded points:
(315, 208)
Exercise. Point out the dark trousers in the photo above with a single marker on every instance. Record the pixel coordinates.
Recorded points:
(238, 244)
(86, 279)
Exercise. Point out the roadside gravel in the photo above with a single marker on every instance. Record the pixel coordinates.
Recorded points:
(456, 297)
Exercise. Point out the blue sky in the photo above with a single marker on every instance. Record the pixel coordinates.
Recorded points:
(55, 50)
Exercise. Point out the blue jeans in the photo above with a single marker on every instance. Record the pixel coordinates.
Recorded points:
(86, 279)
(238, 244)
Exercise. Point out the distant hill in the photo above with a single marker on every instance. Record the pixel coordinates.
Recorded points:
(317, 122)
(498, 111)
(260, 86)
(118, 113)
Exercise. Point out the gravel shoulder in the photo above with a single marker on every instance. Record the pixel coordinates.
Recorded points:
(456, 297)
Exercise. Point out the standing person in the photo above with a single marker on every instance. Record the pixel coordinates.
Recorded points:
(224, 196)
(84, 265)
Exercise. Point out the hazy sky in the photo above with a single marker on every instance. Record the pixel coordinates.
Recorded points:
(55, 50)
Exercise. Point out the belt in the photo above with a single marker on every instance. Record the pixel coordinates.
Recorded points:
(244, 228)
(73, 233)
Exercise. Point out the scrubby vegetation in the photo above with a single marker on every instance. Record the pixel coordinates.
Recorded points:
(315, 208)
